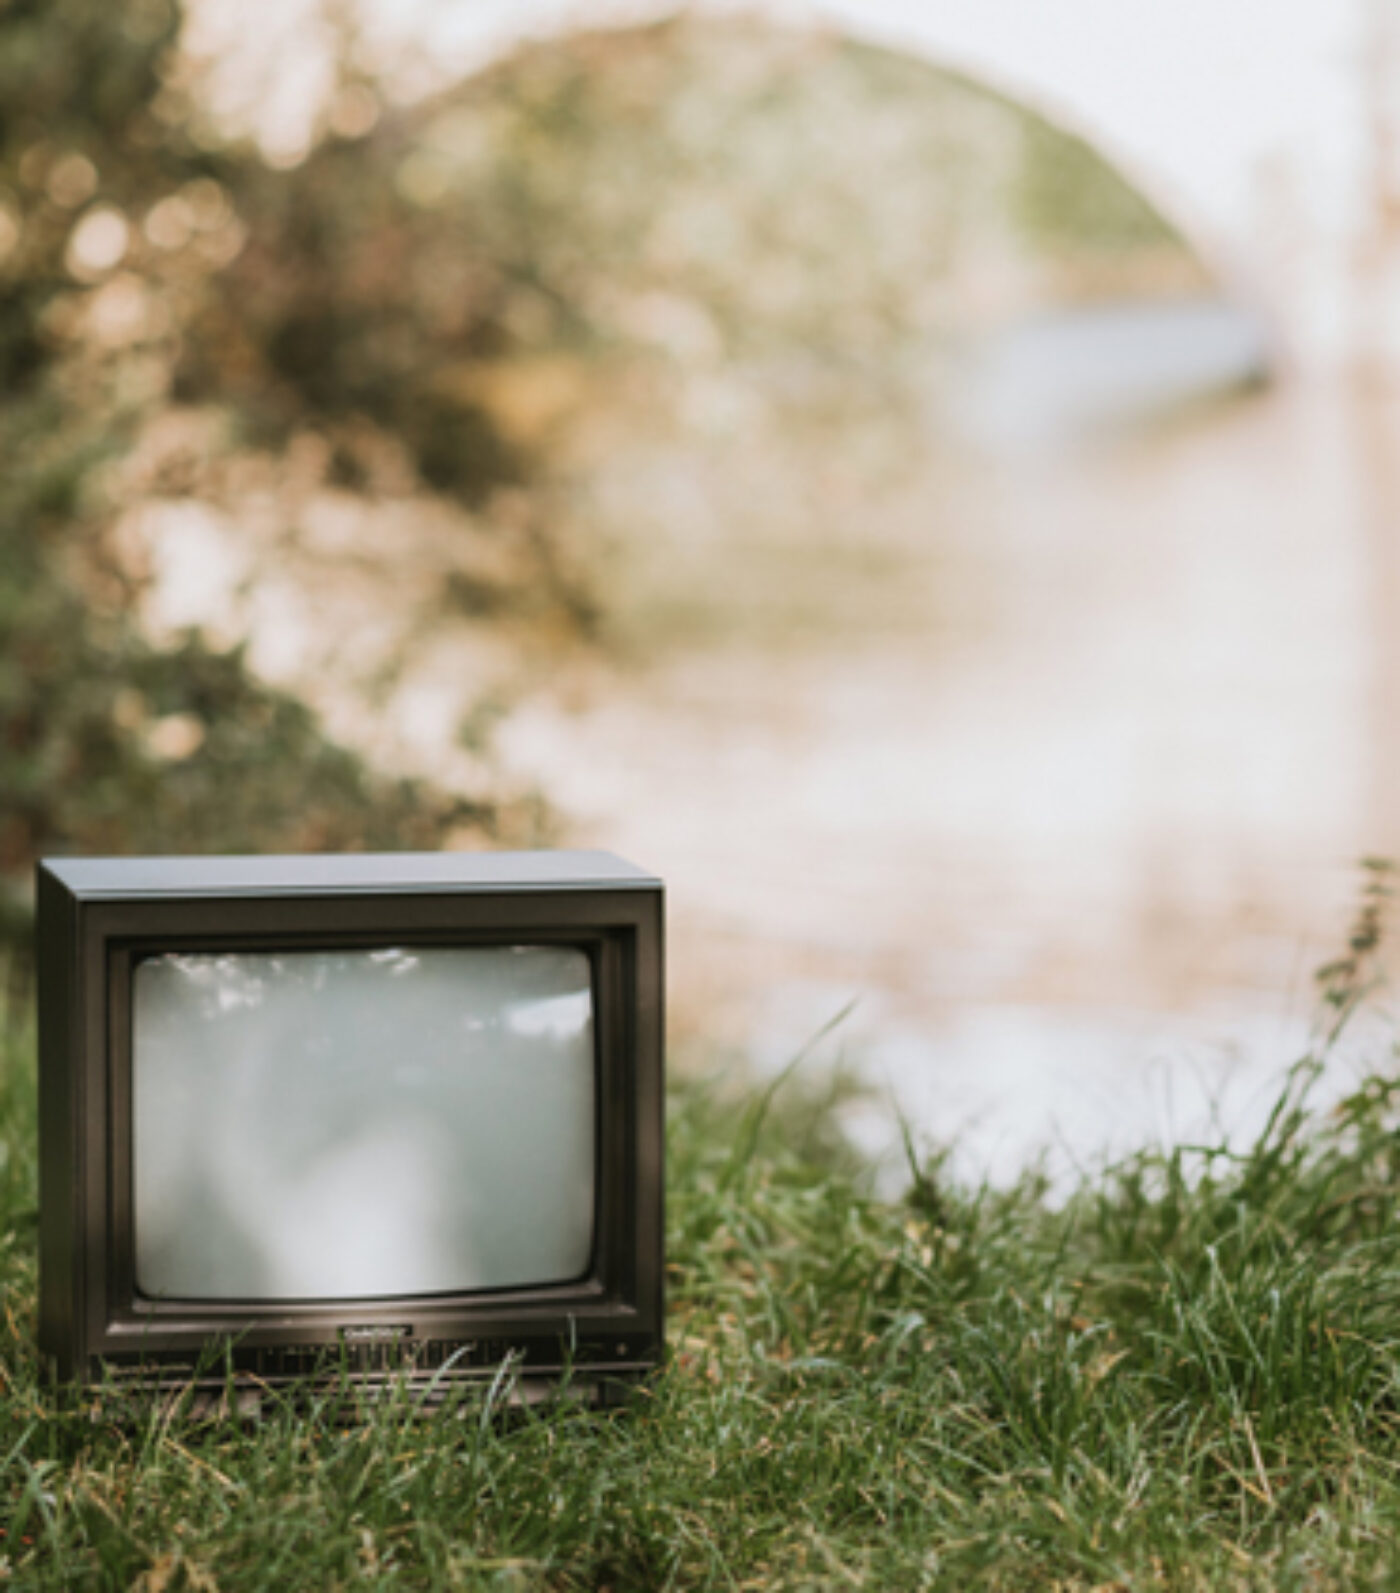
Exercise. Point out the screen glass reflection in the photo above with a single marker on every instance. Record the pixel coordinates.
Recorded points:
(348, 1124)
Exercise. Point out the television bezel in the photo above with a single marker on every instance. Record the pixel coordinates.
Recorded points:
(97, 918)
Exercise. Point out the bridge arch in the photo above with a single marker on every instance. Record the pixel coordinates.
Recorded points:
(1241, 121)
(1244, 121)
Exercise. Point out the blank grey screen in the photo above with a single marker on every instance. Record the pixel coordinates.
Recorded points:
(347, 1124)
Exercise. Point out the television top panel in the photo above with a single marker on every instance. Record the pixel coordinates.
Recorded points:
(91, 878)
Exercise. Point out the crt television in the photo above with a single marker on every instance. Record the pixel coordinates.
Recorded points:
(395, 1115)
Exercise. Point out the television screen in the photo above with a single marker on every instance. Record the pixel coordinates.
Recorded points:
(324, 1125)
(398, 1112)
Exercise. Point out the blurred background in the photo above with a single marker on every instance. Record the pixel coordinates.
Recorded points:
(922, 478)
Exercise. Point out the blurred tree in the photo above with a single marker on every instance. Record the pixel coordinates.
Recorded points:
(613, 259)
(348, 303)
(109, 742)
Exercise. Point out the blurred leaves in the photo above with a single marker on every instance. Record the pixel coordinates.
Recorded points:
(108, 741)
(602, 296)
(1068, 200)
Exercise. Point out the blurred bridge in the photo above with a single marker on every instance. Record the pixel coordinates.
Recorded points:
(1268, 130)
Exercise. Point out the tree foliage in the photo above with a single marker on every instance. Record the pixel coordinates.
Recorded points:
(108, 740)
(617, 269)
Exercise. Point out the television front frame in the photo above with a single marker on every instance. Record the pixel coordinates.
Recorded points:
(98, 918)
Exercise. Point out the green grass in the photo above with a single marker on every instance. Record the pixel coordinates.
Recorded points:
(1185, 1376)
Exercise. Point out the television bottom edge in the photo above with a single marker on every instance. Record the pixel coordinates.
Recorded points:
(244, 1397)
(235, 1378)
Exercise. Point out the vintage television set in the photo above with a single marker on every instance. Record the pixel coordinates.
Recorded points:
(376, 1116)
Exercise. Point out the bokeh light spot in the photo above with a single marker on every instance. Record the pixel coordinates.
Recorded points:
(170, 224)
(98, 243)
(72, 181)
(354, 112)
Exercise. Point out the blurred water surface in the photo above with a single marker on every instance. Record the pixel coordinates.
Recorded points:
(1077, 819)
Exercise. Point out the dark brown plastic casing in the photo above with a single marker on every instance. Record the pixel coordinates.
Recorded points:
(98, 917)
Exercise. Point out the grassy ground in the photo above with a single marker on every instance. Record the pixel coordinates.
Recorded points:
(1185, 1377)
